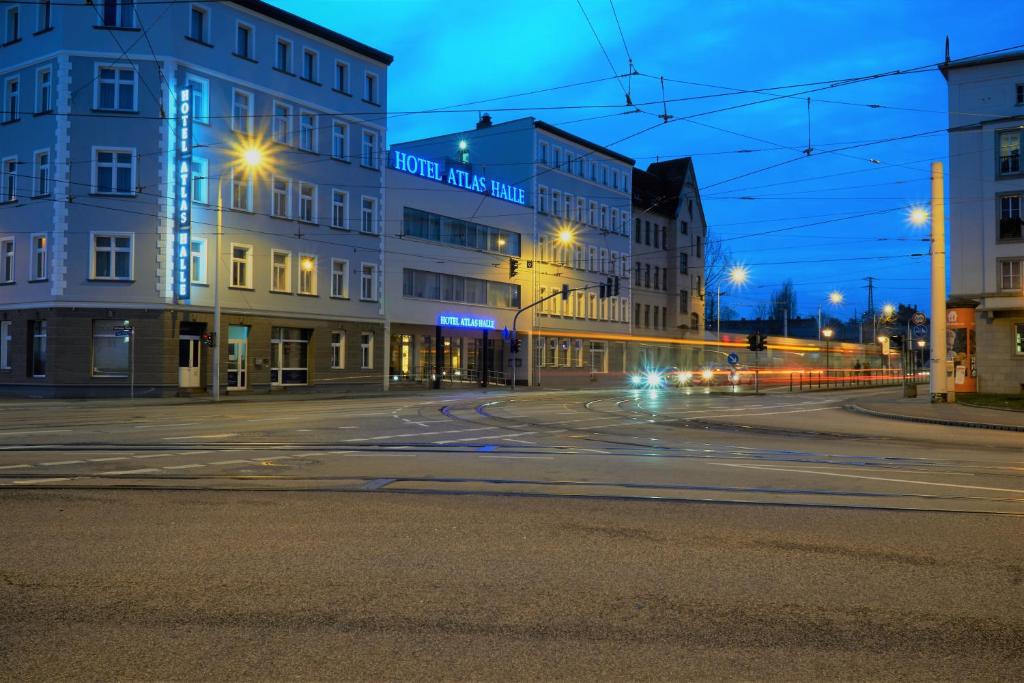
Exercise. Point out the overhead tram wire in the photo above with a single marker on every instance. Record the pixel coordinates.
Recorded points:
(625, 92)
(124, 53)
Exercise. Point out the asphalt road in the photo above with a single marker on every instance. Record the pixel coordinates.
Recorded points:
(161, 585)
(541, 535)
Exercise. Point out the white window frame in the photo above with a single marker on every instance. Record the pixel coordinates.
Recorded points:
(39, 258)
(113, 179)
(342, 87)
(542, 152)
(345, 272)
(314, 76)
(205, 38)
(542, 199)
(338, 349)
(247, 208)
(286, 68)
(374, 227)
(370, 136)
(117, 84)
(198, 275)
(248, 265)
(285, 270)
(344, 209)
(93, 275)
(44, 16)
(8, 178)
(312, 218)
(9, 35)
(342, 154)
(371, 87)
(276, 118)
(248, 128)
(200, 114)
(5, 344)
(287, 197)
(251, 47)
(200, 180)
(366, 341)
(313, 275)
(12, 112)
(1016, 266)
(372, 279)
(121, 21)
(44, 103)
(312, 116)
(8, 259)
(40, 184)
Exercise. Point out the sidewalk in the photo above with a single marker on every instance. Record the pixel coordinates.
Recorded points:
(920, 409)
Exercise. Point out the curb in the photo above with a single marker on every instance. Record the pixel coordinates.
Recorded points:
(933, 420)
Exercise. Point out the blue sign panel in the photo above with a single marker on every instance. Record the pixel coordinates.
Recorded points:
(456, 177)
(733, 359)
(452, 320)
(183, 198)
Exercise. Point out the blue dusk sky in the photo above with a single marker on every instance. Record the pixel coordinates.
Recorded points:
(826, 221)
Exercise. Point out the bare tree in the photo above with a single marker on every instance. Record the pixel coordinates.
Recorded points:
(717, 259)
(783, 302)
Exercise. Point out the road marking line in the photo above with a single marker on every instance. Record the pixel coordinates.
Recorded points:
(198, 436)
(182, 467)
(150, 469)
(231, 462)
(62, 462)
(155, 455)
(41, 481)
(35, 431)
(107, 459)
(380, 455)
(12, 467)
(861, 476)
(519, 457)
(166, 426)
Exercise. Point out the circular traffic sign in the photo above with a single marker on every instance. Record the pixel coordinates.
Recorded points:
(733, 359)
(918, 318)
(920, 331)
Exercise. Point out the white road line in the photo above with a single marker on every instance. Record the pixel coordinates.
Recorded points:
(142, 471)
(13, 467)
(348, 427)
(518, 457)
(107, 459)
(508, 438)
(41, 481)
(593, 450)
(182, 467)
(35, 431)
(231, 462)
(198, 436)
(380, 455)
(165, 426)
(155, 455)
(276, 457)
(861, 476)
(62, 462)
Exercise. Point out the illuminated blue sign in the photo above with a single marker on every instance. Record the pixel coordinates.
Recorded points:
(449, 320)
(456, 177)
(183, 198)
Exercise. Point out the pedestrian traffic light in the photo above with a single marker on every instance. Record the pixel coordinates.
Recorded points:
(513, 267)
(565, 292)
(207, 338)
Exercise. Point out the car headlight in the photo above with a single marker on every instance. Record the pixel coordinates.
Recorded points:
(707, 374)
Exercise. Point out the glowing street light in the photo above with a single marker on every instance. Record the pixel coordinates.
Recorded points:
(738, 275)
(835, 297)
(566, 236)
(827, 334)
(917, 216)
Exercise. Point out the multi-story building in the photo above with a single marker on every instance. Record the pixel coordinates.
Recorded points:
(557, 210)
(288, 133)
(986, 233)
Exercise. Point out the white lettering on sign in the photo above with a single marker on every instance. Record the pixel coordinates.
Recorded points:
(183, 198)
(449, 320)
(456, 177)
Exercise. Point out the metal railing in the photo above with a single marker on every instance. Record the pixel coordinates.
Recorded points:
(843, 379)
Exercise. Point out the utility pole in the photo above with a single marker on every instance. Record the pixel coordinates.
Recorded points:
(871, 306)
(937, 366)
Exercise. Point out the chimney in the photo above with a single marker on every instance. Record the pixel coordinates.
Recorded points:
(484, 122)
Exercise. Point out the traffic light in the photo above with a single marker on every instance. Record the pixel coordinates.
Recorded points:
(752, 341)
(762, 342)
(607, 287)
(208, 339)
(565, 292)
(513, 267)
(757, 342)
(516, 343)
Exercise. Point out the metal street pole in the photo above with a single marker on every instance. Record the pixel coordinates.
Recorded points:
(937, 366)
(216, 291)
(718, 315)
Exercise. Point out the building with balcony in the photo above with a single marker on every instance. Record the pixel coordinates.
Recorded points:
(986, 239)
(288, 134)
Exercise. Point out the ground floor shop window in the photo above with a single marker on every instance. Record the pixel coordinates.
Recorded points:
(5, 345)
(1018, 339)
(289, 356)
(366, 348)
(37, 361)
(109, 352)
(598, 352)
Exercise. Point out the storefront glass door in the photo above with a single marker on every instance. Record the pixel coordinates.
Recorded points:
(238, 357)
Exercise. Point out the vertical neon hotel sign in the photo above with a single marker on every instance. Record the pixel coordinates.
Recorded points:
(183, 198)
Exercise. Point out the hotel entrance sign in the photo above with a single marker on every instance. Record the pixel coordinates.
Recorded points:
(183, 198)
(457, 177)
(452, 320)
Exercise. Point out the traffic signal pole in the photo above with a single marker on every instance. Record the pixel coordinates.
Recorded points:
(937, 366)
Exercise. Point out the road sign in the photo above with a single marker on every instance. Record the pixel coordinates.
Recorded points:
(120, 331)
(918, 318)
(733, 359)
(920, 331)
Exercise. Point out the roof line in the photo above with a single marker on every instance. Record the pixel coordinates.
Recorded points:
(583, 142)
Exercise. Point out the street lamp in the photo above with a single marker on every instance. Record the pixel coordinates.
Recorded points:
(248, 155)
(738, 275)
(827, 334)
(836, 298)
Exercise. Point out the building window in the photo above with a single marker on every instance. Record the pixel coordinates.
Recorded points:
(200, 98)
(43, 19)
(241, 190)
(307, 131)
(556, 157)
(370, 88)
(341, 77)
(369, 150)
(307, 274)
(281, 124)
(41, 174)
(1009, 217)
(366, 350)
(542, 153)
(339, 199)
(368, 282)
(1020, 93)
(111, 256)
(118, 13)
(38, 267)
(458, 232)
(198, 253)
(1009, 152)
(114, 171)
(289, 356)
(197, 25)
(281, 198)
(339, 140)
(241, 266)
(244, 41)
(683, 263)
(307, 202)
(12, 30)
(368, 222)
(241, 111)
(1010, 275)
(556, 202)
(337, 350)
(44, 87)
(592, 214)
(10, 179)
(280, 271)
(592, 307)
(5, 345)
(12, 99)
(283, 56)
(109, 352)
(421, 284)
(684, 301)
(7, 260)
(116, 88)
(200, 180)
(339, 279)
(1018, 338)
(37, 362)
(310, 72)
(542, 199)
